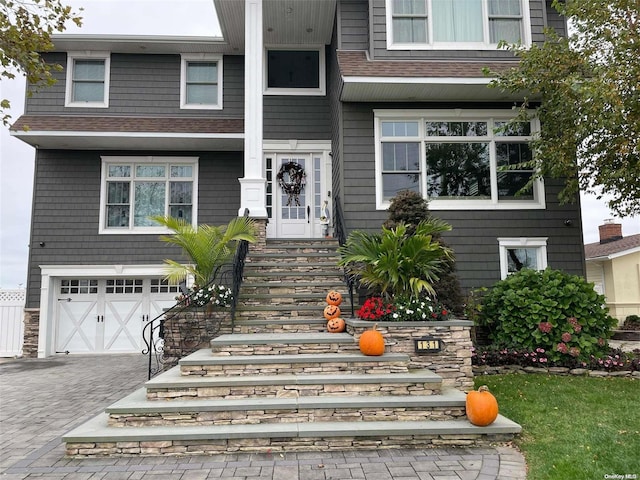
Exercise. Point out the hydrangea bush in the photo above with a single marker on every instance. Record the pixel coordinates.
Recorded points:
(549, 310)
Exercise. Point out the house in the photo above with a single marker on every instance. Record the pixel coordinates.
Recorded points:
(367, 97)
(613, 265)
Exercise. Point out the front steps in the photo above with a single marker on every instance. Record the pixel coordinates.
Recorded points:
(266, 393)
(289, 280)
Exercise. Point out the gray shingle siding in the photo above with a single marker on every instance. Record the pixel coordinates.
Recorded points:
(67, 206)
(296, 117)
(353, 24)
(143, 85)
(475, 233)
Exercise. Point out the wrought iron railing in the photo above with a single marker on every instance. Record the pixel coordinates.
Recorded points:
(341, 235)
(196, 319)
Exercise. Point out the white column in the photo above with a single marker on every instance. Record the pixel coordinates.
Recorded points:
(253, 185)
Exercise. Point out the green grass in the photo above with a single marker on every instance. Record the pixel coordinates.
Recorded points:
(572, 427)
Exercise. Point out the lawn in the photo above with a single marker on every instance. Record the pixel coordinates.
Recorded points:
(573, 427)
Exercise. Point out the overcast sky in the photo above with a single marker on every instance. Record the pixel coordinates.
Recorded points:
(141, 17)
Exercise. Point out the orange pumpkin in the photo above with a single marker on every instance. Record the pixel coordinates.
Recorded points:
(336, 325)
(482, 407)
(334, 298)
(331, 311)
(371, 342)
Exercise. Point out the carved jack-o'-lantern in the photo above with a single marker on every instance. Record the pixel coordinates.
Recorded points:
(334, 298)
(331, 311)
(336, 325)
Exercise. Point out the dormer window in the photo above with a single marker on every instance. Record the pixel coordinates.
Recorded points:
(456, 24)
(87, 80)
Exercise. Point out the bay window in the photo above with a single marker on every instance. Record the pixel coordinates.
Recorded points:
(453, 24)
(137, 188)
(456, 159)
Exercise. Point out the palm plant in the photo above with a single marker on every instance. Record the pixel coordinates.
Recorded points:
(208, 247)
(396, 263)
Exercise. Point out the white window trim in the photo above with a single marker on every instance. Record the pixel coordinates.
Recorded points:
(199, 57)
(320, 91)
(71, 58)
(431, 45)
(421, 116)
(106, 160)
(539, 243)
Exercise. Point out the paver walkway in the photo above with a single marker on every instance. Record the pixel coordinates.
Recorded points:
(42, 399)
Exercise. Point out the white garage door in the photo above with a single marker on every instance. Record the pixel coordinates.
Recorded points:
(107, 315)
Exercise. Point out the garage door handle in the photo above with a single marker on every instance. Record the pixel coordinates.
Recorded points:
(100, 318)
(64, 299)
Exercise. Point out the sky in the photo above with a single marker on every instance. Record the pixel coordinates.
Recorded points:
(141, 17)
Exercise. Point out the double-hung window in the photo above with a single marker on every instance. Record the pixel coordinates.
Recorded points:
(201, 82)
(87, 81)
(456, 24)
(137, 188)
(457, 159)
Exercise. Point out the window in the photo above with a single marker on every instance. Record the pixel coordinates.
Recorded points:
(136, 188)
(456, 159)
(201, 85)
(519, 253)
(87, 80)
(295, 72)
(455, 24)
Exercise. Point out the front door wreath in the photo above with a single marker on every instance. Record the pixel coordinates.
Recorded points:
(292, 179)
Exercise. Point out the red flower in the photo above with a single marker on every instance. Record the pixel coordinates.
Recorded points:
(566, 337)
(562, 348)
(545, 327)
(574, 351)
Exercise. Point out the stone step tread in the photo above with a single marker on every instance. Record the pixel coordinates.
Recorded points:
(327, 285)
(288, 307)
(278, 274)
(172, 379)
(319, 296)
(282, 338)
(137, 403)
(310, 243)
(290, 264)
(278, 255)
(96, 430)
(204, 357)
(319, 321)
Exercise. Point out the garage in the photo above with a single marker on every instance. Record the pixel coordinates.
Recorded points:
(107, 315)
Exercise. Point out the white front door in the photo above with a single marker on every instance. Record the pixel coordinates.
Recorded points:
(295, 206)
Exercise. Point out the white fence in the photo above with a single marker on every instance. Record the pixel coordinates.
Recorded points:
(11, 322)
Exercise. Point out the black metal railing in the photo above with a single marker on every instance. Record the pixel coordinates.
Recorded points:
(341, 235)
(189, 308)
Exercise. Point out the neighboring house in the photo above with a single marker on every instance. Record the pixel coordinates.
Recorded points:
(369, 97)
(613, 265)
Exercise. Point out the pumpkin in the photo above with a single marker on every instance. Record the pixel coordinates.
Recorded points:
(331, 311)
(371, 342)
(482, 407)
(334, 298)
(336, 325)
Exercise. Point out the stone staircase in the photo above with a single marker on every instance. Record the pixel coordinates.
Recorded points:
(284, 384)
(285, 286)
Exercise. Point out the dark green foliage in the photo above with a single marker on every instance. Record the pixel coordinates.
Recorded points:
(632, 322)
(552, 310)
(408, 207)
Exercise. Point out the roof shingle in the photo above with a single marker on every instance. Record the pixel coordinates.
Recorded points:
(596, 250)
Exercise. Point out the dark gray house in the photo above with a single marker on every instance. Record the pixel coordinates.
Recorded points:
(368, 97)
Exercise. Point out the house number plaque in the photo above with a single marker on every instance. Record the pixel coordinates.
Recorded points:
(427, 345)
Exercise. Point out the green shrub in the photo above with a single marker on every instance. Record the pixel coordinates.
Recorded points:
(552, 310)
(410, 208)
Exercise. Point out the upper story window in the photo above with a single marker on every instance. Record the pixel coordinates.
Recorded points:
(87, 79)
(293, 71)
(201, 81)
(458, 160)
(136, 188)
(456, 24)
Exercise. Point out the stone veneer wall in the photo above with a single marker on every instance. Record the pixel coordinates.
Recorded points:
(453, 363)
(191, 330)
(31, 329)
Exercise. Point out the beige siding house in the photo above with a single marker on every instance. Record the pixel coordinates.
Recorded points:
(613, 265)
